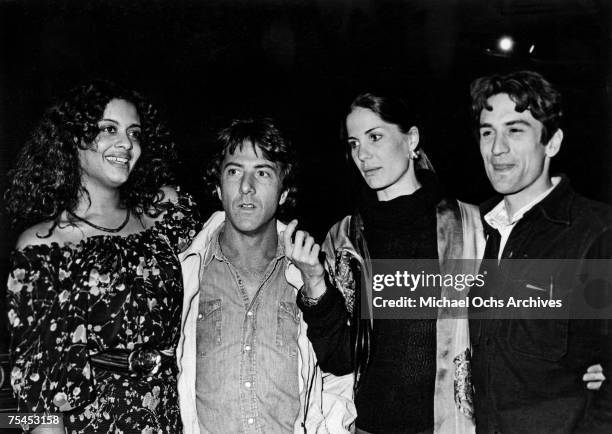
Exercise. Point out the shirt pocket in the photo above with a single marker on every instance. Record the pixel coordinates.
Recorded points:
(288, 321)
(209, 326)
(544, 339)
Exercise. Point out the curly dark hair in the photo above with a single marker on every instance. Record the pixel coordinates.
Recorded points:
(529, 91)
(46, 179)
(274, 145)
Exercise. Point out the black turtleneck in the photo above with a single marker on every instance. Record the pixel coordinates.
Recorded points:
(396, 392)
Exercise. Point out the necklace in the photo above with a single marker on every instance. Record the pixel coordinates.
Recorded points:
(102, 228)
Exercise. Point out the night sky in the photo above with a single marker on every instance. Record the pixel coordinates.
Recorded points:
(204, 63)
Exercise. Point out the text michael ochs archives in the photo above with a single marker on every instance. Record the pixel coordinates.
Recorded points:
(557, 289)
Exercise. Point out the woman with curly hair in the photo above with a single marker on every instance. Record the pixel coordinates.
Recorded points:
(95, 289)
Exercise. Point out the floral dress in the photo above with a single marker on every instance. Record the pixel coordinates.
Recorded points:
(68, 302)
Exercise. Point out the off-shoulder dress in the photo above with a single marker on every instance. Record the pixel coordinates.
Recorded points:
(68, 302)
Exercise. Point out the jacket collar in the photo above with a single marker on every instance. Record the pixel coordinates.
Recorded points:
(202, 240)
(555, 207)
(206, 242)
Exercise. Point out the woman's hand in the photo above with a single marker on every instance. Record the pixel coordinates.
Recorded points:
(304, 254)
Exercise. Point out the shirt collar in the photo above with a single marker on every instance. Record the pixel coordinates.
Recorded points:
(498, 217)
(215, 251)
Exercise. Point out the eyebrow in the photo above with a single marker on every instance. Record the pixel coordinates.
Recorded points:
(231, 163)
(257, 166)
(117, 123)
(366, 132)
(518, 122)
(372, 129)
(266, 166)
(509, 123)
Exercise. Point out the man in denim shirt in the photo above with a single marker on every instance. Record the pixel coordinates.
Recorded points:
(253, 368)
(526, 371)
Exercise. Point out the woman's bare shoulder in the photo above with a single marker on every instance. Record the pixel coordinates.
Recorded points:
(42, 233)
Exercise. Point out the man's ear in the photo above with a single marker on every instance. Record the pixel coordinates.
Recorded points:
(554, 144)
(283, 197)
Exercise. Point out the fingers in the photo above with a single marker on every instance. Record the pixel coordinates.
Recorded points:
(595, 376)
(302, 248)
(303, 253)
(298, 243)
(595, 368)
(287, 234)
(594, 385)
(316, 250)
(308, 243)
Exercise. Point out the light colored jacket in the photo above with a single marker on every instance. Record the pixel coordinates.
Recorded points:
(460, 243)
(326, 404)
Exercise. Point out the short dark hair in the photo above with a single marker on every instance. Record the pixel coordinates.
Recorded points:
(529, 91)
(262, 134)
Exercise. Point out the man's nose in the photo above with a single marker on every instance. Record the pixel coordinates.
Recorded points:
(500, 145)
(247, 184)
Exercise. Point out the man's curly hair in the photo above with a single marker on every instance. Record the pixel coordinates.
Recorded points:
(46, 179)
(529, 91)
(265, 135)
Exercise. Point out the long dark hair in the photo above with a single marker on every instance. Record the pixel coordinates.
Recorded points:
(46, 179)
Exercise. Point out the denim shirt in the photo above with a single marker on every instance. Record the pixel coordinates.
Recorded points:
(246, 349)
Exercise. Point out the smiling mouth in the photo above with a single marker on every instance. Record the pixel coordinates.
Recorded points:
(117, 161)
(502, 167)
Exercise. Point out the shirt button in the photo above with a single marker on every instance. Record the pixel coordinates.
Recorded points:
(247, 384)
(250, 420)
(200, 316)
(250, 313)
(247, 348)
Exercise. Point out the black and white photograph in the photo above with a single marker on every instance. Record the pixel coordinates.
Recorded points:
(306, 216)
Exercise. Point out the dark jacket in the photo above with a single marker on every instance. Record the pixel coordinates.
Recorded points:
(528, 372)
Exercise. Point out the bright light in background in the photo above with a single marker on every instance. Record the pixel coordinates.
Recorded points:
(531, 48)
(506, 43)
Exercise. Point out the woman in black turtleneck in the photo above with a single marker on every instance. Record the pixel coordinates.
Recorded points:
(395, 361)
(397, 388)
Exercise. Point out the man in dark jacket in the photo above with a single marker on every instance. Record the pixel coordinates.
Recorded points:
(526, 370)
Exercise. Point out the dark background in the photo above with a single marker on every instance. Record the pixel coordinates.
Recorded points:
(302, 62)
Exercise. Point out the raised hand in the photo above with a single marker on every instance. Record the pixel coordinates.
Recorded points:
(303, 252)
